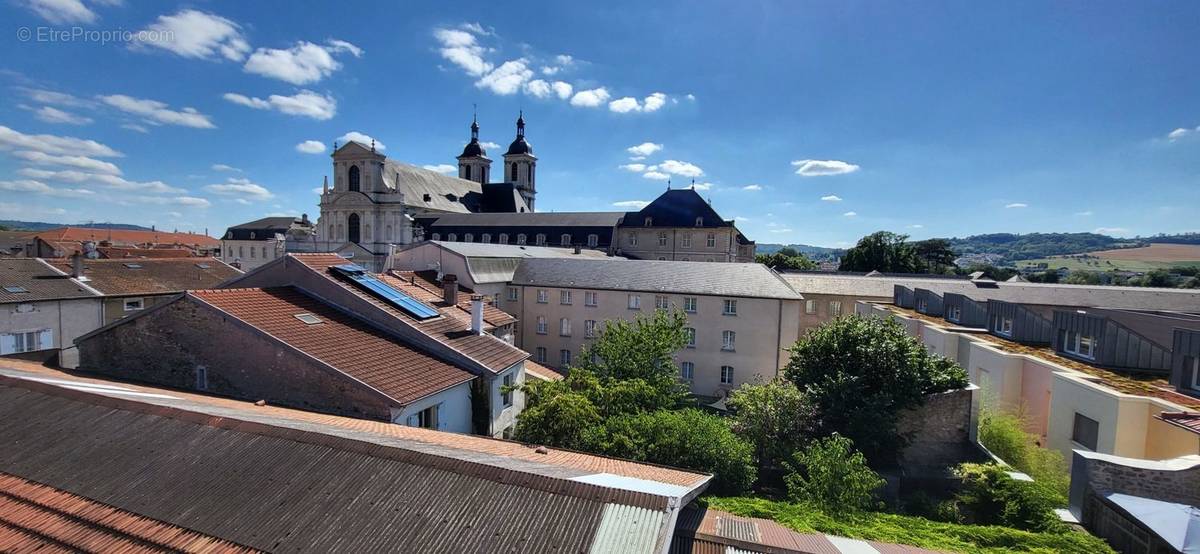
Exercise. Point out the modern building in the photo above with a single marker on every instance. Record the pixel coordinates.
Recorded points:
(131, 285)
(1185, 361)
(252, 244)
(741, 317)
(43, 309)
(679, 225)
(1127, 340)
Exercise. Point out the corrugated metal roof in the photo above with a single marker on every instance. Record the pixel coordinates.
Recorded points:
(628, 529)
(712, 279)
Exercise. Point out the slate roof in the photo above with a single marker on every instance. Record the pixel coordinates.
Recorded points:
(39, 279)
(676, 208)
(382, 361)
(117, 252)
(493, 250)
(418, 182)
(537, 219)
(126, 237)
(1096, 296)
(263, 229)
(285, 480)
(705, 278)
(152, 276)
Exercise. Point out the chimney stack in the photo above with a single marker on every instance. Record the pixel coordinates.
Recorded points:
(577, 248)
(477, 314)
(450, 289)
(77, 265)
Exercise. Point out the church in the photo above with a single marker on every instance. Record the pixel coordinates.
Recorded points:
(375, 202)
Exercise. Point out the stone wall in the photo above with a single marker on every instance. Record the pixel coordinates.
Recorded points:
(941, 433)
(168, 345)
(1175, 480)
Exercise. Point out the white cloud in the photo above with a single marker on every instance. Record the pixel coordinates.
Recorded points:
(445, 169)
(489, 145)
(475, 28)
(538, 88)
(654, 102)
(1017, 205)
(636, 168)
(80, 162)
(644, 149)
(506, 79)
(53, 144)
(302, 64)
(304, 103)
(624, 105)
(740, 218)
(223, 167)
(109, 181)
(38, 187)
(691, 96)
(676, 167)
(638, 204)
(135, 127)
(752, 187)
(1180, 133)
(187, 201)
(54, 115)
(195, 34)
(702, 186)
(820, 168)
(916, 226)
(831, 198)
(1111, 231)
(461, 49)
(362, 139)
(43, 96)
(157, 112)
(850, 214)
(61, 12)
(562, 89)
(1084, 213)
(310, 147)
(657, 176)
(780, 231)
(590, 98)
(241, 188)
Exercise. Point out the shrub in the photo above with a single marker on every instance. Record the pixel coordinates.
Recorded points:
(833, 476)
(773, 416)
(1004, 434)
(990, 496)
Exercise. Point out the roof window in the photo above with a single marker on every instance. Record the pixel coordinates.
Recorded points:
(14, 289)
(308, 318)
(133, 266)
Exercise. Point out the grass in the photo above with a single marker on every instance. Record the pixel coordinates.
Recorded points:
(910, 530)
(1004, 434)
(1103, 264)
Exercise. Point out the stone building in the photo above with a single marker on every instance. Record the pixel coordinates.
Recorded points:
(257, 242)
(679, 225)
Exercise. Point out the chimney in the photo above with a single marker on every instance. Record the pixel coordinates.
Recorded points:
(77, 265)
(450, 289)
(577, 248)
(477, 314)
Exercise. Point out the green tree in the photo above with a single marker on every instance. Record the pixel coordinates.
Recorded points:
(773, 416)
(935, 255)
(1083, 278)
(859, 373)
(832, 476)
(634, 362)
(990, 496)
(881, 251)
(564, 419)
(780, 261)
(1005, 435)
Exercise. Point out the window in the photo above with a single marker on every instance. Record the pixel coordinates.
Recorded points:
(589, 328)
(201, 378)
(540, 354)
(541, 325)
(1192, 363)
(564, 327)
(503, 238)
(661, 302)
(521, 238)
(564, 240)
(241, 251)
(1003, 325)
(251, 252)
(635, 302)
(264, 252)
(564, 297)
(452, 237)
(26, 341)
(686, 241)
(727, 340)
(662, 258)
(564, 358)
(486, 238)
(730, 307)
(593, 241)
(1086, 432)
(307, 318)
(589, 298)
(512, 294)
(427, 418)
(662, 239)
(355, 230)
(435, 236)
(712, 240)
(687, 371)
(134, 304)
(835, 308)
(726, 375)
(1080, 345)
(543, 296)
(468, 237)
(954, 313)
(506, 390)
(691, 336)
(689, 304)
(353, 178)
(810, 307)
(699, 221)
(922, 305)
(541, 239)
(649, 221)
(632, 239)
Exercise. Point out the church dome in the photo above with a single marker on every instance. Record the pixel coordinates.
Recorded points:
(473, 149)
(519, 146)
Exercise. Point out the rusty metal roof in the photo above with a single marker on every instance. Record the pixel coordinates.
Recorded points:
(1186, 420)
(704, 531)
(277, 479)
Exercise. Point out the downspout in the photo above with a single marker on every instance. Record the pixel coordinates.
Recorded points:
(779, 338)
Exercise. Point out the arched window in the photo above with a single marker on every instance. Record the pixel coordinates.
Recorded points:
(541, 239)
(503, 238)
(565, 239)
(353, 225)
(467, 172)
(699, 221)
(486, 238)
(435, 236)
(593, 241)
(514, 172)
(521, 238)
(352, 179)
(468, 237)
(649, 221)
(389, 233)
(451, 237)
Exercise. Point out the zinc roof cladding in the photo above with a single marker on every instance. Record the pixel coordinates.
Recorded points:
(38, 279)
(704, 278)
(1136, 298)
(125, 236)
(493, 250)
(39, 518)
(444, 192)
(491, 352)
(152, 276)
(351, 346)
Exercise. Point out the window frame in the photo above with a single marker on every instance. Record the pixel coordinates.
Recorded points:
(1091, 430)
(728, 341)
(687, 371)
(690, 304)
(140, 302)
(835, 308)
(591, 299)
(634, 302)
(810, 307)
(541, 327)
(513, 294)
(564, 326)
(690, 334)
(539, 354)
(589, 328)
(662, 302)
(506, 396)
(727, 372)
(543, 296)
(564, 357)
(711, 240)
(729, 307)
(564, 297)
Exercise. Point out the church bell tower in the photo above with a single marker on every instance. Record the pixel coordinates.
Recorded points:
(520, 165)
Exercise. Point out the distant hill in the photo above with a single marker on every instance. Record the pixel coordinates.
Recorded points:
(1005, 248)
(819, 253)
(14, 225)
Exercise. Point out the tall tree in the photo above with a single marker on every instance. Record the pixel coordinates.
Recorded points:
(935, 255)
(881, 251)
(781, 261)
(773, 416)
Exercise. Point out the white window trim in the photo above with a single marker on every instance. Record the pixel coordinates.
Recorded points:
(141, 304)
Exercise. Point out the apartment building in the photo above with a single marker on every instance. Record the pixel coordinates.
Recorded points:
(257, 242)
(741, 317)
(43, 309)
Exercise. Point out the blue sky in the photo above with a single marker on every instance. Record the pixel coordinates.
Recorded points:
(810, 122)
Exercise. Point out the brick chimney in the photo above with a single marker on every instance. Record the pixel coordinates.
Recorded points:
(450, 289)
(77, 265)
(477, 314)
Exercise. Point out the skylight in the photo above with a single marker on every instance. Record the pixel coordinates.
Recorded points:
(15, 289)
(384, 291)
(133, 266)
(203, 266)
(308, 318)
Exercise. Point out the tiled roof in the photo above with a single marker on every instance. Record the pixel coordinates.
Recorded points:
(1186, 420)
(123, 237)
(339, 340)
(38, 279)
(285, 480)
(491, 352)
(114, 252)
(704, 278)
(542, 372)
(421, 288)
(39, 518)
(152, 276)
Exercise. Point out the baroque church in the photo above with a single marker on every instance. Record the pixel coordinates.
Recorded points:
(375, 203)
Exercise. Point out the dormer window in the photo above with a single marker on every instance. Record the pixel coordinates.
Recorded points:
(699, 221)
(649, 221)
(427, 198)
(451, 197)
(252, 235)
